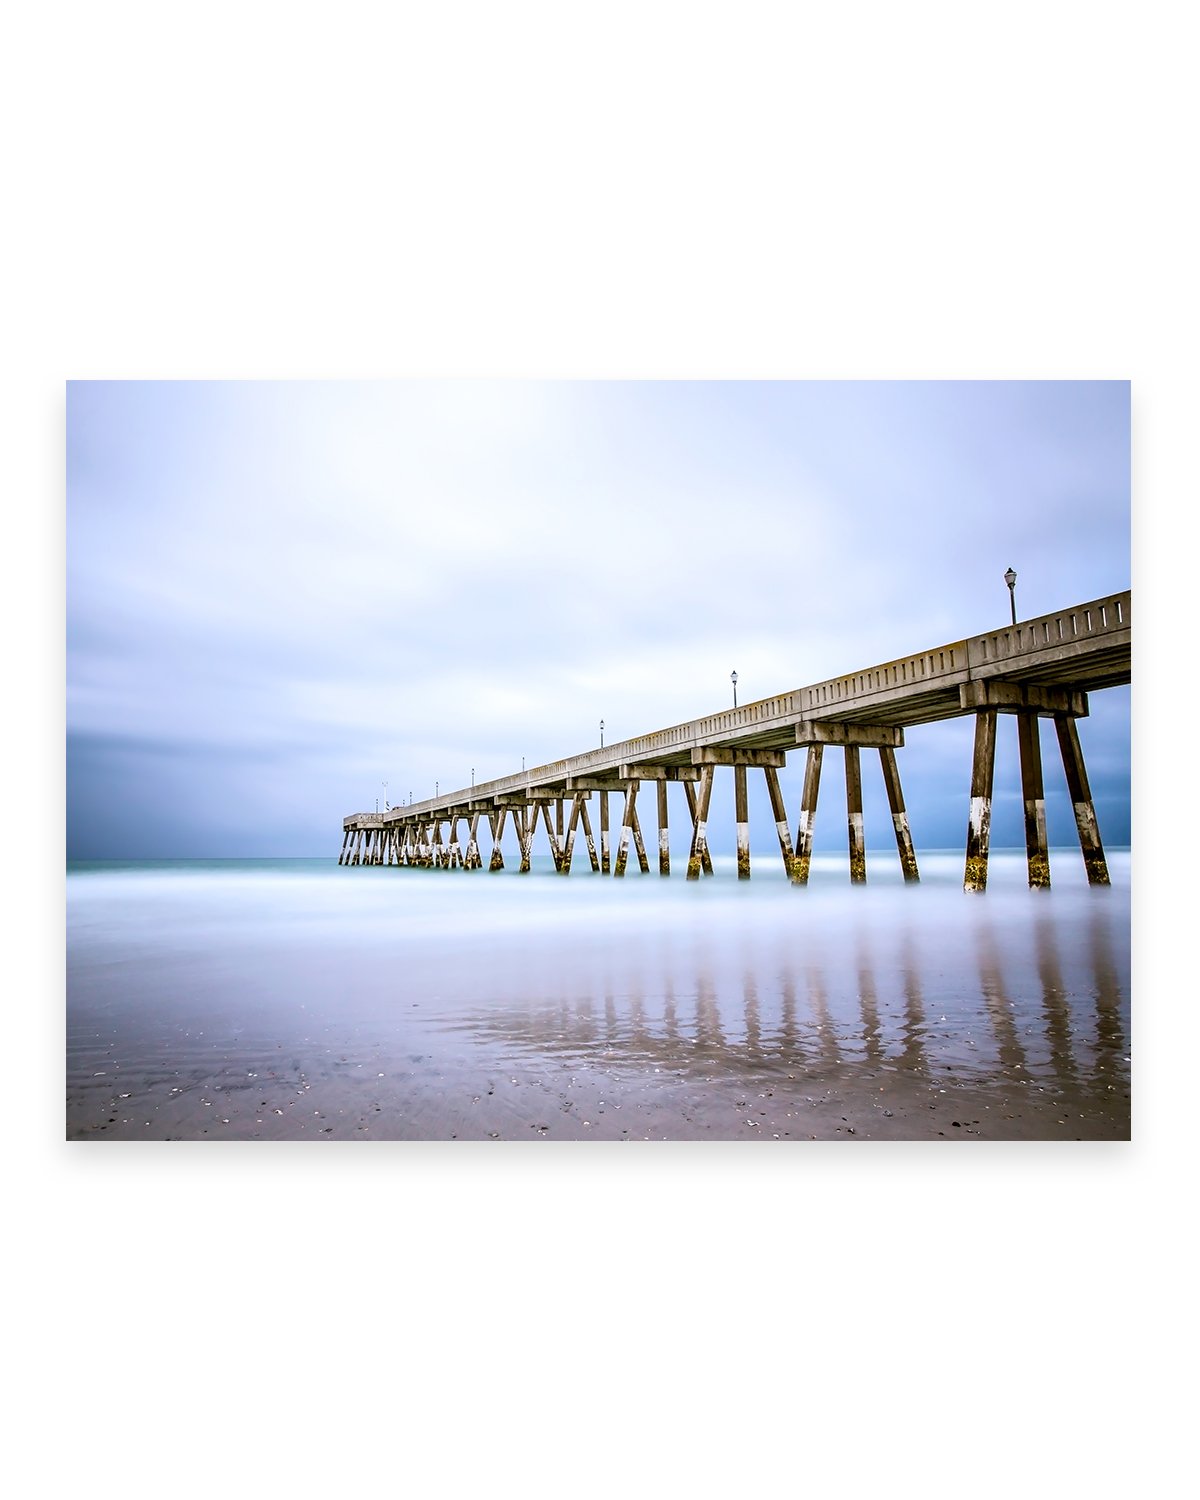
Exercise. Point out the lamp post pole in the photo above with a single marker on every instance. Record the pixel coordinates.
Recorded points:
(602, 734)
(733, 679)
(1011, 579)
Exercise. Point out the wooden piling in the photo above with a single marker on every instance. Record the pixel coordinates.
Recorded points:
(346, 836)
(1037, 850)
(895, 794)
(854, 816)
(1094, 861)
(979, 826)
(664, 836)
(808, 813)
(604, 860)
(699, 847)
(526, 825)
(742, 818)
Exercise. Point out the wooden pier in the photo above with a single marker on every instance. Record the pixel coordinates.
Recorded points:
(1033, 670)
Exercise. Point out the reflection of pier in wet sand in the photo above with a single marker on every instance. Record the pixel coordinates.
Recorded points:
(864, 1043)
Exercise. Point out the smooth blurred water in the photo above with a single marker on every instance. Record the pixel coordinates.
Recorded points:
(295, 999)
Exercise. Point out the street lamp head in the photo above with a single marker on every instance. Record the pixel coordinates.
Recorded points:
(1010, 577)
(733, 678)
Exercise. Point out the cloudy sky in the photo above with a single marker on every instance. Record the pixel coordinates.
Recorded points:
(281, 596)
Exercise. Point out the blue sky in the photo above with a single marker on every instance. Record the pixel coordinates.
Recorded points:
(282, 595)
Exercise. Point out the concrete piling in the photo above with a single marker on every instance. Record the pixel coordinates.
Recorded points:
(1037, 851)
(808, 813)
(1081, 800)
(742, 818)
(854, 816)
(631, 789)
(979, 825)
(904, 843)
(779, 813)
(699, 850)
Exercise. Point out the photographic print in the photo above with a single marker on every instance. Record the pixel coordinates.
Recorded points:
(598, 761)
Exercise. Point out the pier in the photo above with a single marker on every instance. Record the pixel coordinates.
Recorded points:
(1032, 670)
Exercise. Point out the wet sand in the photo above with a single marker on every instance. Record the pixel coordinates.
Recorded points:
(1013, 1024)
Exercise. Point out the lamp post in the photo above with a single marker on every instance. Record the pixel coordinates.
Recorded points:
(385, 806)
(733, 679)
(602, 734)
(1011, 579)
(472, 778)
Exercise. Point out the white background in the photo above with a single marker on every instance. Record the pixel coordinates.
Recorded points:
(634, 190)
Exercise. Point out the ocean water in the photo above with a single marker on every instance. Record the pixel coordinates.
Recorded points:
(300, 1000)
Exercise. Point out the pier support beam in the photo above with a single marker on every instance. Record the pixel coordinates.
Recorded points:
(705, 857)
(742, 818)
(496, 820)
(699, 851)
(631, 788)
(604, 859)
(551, 834)
(904, 843)
(569, 848)
(639, 846)
(979, 826)
(1037, 850)
(346, 836)
(591, 843)
(1081, 797)
(664, 837)
(808, 813)
(473, 861)
(854, 816)
(779, 813)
